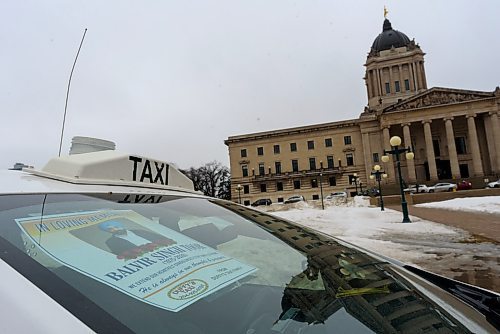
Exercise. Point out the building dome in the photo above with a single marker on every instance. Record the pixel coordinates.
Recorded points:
(389, 38)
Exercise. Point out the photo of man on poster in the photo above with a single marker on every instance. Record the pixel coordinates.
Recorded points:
(130, 243)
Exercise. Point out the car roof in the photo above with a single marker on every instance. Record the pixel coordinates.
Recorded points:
(108, 171)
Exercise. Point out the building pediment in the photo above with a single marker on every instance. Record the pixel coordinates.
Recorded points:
(437, 97)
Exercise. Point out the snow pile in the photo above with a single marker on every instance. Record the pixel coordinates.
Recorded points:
(380, 231)
(485, 204)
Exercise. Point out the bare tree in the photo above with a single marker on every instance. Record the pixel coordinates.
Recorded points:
(213, 179)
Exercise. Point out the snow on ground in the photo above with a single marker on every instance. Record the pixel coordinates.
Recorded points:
(486, 204)
(440, 248)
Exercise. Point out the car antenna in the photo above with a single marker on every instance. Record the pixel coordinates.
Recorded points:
(67, 92)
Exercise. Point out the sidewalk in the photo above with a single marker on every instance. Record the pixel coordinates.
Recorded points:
(486, 226)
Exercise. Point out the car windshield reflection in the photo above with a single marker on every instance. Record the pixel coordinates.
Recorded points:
(208, 259)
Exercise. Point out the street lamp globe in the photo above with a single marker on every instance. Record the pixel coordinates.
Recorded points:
(409, 155)
(395, 141)
(372, 177)
(385, 158)
(376, 167)
(355, 174)
(384, 176)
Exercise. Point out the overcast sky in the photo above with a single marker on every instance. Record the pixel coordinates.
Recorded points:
(173, 79)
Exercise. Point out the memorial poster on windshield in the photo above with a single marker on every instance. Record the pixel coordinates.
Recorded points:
(134, 255)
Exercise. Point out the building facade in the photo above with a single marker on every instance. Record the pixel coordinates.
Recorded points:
(453, 133)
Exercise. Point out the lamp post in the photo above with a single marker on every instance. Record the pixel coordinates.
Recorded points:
(321, 185)
(361, 187)
(356, 182)
(396, 151)
(238, 187)
(378, 175)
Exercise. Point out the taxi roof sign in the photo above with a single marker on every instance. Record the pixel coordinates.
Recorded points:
(114, 168)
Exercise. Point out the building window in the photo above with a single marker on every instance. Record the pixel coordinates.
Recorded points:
(351, 179)
(260, 151)
(407, 84)
(296, 184)
(314, 183)
(387, 88)
(375, 157)
(263, 188)
(293, 147)
(315, 197)
(261, 169)
(310, 144)
(295, 165)
(246, 203)
(280, 200)
(279, 186)
(349, 159)
(243, 152)
(312, 163)
(332, 181)
(328, 142)
(329, 161)
(435, 144)
(460, 145)
(244, 170)
(246, 189)
(347, 140)
(396, 86)
(276, 149)
(277, 167)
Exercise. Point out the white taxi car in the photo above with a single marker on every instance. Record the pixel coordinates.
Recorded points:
(107, 242)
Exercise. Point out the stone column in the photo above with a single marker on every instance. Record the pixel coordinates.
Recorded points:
(410, 164)
(401, 82)
(413, 82)
(419, 75)
(369, 85)
(452, 150)
(429, 148)
(391, 81)
(474, 147)
(377, 77)
(496, 137)
(367, 154)
(389, 167)
(424, 78)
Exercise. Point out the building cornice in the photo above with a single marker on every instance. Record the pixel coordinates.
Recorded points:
(292, 131)
(438, 96)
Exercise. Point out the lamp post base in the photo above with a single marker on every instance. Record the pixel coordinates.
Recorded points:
(406, 218)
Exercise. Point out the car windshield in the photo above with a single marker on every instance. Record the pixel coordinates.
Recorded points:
(169, 264)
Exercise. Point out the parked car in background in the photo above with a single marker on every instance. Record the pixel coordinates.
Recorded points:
(495, 184)
(417, 188)
(262, 201)
(443, 186)
(338, 194)
(371, 192)
(464, 185)
(295, 199)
